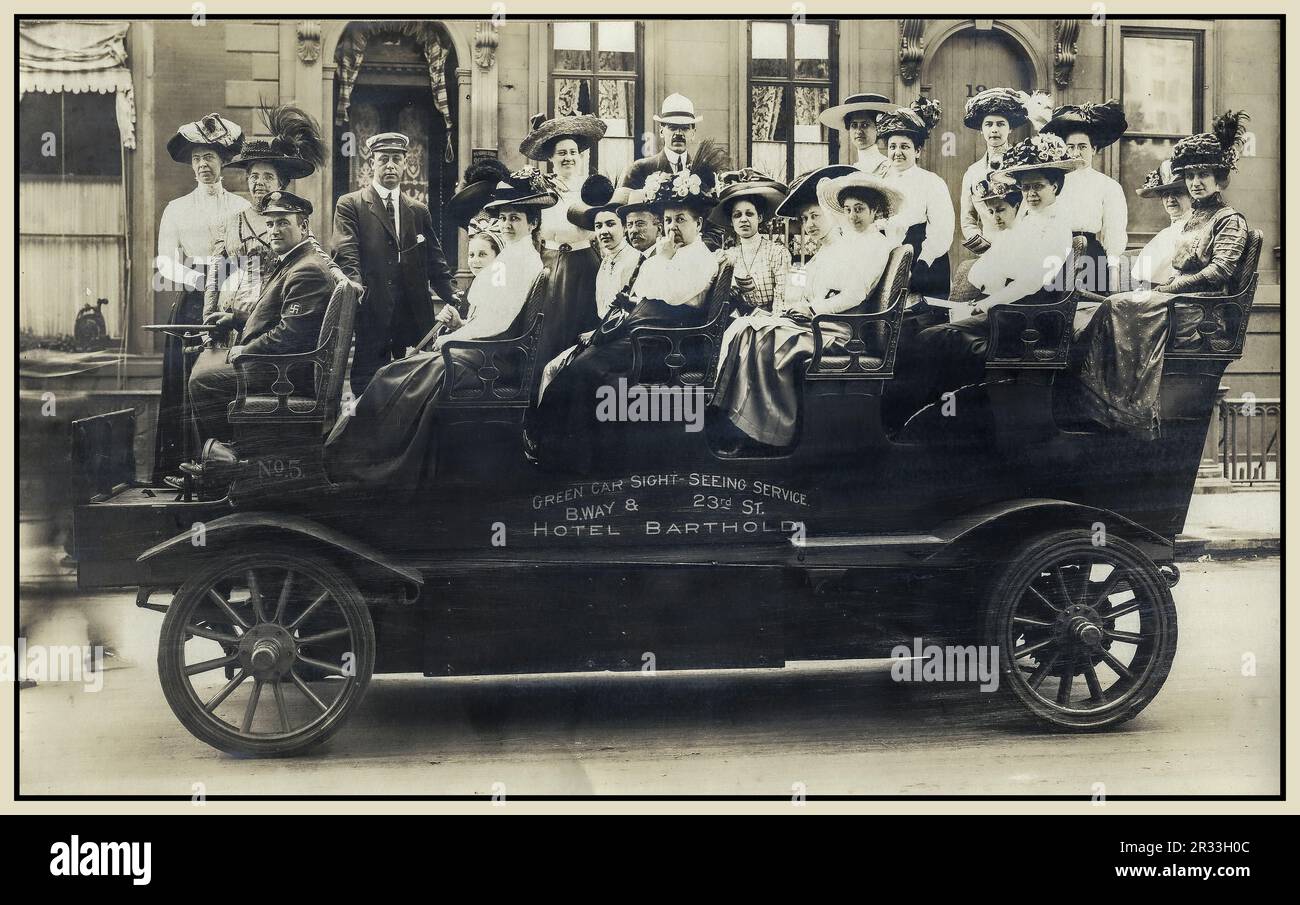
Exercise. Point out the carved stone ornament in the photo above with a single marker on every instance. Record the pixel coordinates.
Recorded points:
(1066, 51)
(309, 40)
(911, 48)
(486, 40)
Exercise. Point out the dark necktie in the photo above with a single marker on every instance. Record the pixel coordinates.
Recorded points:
(388, 206)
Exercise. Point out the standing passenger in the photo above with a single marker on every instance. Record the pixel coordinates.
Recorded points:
(857, 118)
(1096, 204)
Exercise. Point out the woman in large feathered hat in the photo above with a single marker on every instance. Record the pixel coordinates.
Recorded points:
(927, 217)
(1098, 209)
(1122, 391)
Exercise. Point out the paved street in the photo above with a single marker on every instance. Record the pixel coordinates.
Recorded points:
(842, 727)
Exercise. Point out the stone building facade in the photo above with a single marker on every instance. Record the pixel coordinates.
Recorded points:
(757, 85)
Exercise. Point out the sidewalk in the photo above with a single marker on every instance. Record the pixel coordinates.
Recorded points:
(1232, 525)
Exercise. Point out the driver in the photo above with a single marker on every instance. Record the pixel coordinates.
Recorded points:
(285, 320)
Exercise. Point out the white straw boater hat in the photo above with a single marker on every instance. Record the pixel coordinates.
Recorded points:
(837, 117)
(1039, 152)
(829, 192)
(677, 110)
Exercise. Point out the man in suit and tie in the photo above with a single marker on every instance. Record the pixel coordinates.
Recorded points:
(677, 122)
(386, 242)
(285, 320)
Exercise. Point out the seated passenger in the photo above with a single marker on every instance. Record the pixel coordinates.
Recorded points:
(760, 264)
(1020, 265)
(1122, 347)
(764, 354)
(998, 200)
(1154, 264)
(619, 262)
(285, 320)
(670, 291)
(391, 437)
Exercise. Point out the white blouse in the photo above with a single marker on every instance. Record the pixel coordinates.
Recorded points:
(556, 228)
(1096, 204)
(1026, 258)
(1154, 264)
(681, 279)
(872, 161)
(615, 270)
(842, 274)
(499, 292)
(925, 200)
(190, 225)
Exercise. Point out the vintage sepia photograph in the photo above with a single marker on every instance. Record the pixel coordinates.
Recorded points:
(527, 402)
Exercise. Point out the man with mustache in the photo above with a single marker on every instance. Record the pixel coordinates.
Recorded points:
(677, 122)
(386, 242)
(286, 318)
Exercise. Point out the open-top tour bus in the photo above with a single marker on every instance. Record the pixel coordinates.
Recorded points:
(992, 523)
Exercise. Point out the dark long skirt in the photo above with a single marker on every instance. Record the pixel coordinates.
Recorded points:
(1095, 277)
(934, 279)
(174, 435)
(390, 439)
(564, 428)
(1123, 357)
(571, 299)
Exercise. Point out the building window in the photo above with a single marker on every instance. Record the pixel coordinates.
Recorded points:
(66, 134)
(596, 68)
(1162, 74)
(792, 73)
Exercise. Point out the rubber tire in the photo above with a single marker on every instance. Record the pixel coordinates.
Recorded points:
(1010, 583)
(176, 686)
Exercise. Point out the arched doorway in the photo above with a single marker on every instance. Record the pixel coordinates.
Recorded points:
(396, 76)
(963, 65)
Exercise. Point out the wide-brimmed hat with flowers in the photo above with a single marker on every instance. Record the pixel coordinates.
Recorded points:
(1217, 149)
(212, 131)
(1162, 181)
(750, 185)
(831, 191)
(539, 143)
(686, 189)
(522, 188)
(1102, 123)
(916, 121)
(993, 189)
(1039, 152)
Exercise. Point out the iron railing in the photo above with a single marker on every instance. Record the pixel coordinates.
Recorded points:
(1250, 440)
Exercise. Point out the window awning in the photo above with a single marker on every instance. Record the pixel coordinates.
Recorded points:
(76, 57)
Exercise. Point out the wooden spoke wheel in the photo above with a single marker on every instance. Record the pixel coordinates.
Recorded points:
(1085, 634)
(266, 654)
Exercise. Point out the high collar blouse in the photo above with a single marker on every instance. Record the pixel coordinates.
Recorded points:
(1209, 247)
(190, 226)
(557, 230)
(925, 200)
(1096, 204)
(842, 274)
(1026, 258)
(680, 280)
